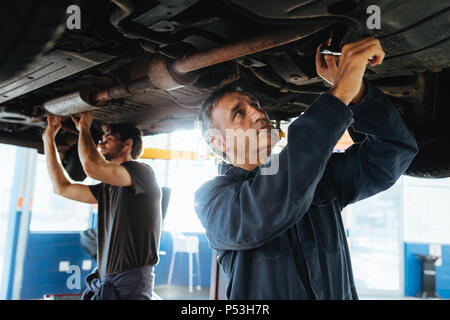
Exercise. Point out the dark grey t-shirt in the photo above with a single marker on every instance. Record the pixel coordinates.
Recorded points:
(129, 221)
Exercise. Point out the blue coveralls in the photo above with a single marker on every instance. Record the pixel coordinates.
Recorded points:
(281, 236)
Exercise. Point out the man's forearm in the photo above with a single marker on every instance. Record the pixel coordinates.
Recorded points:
(55, 169)
(386, 152)
(357, 99)
(89, 155)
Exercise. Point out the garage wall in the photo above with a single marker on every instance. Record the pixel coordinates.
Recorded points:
(426, 221)
(426, 208)
(45, 251)
(413, 269)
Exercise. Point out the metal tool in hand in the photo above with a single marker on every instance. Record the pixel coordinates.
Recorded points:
(328, 50)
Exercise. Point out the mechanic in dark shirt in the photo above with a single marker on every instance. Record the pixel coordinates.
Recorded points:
(129, 207)
(280, 235)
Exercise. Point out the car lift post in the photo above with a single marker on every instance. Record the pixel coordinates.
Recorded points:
(18, 222)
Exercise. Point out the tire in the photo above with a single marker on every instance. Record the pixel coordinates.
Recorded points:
(432, 160)
(29, 30)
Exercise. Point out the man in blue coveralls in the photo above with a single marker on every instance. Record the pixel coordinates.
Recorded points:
(281, 236)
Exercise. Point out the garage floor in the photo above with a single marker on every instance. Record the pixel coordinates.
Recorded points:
(181, 293)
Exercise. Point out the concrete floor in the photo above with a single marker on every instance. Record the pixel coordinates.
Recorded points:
(181, 293)
(387, 298)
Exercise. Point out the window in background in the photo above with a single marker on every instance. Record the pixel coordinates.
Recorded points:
(7, 165)
(375, 242)
(413, 210)
(427, 210)
(51, 212)
(183, 177)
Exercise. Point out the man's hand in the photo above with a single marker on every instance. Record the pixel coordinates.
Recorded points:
(326, 66)
(85, 121)
(53, 126)
(348, 81)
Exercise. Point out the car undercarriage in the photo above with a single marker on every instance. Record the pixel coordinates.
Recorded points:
(151, 63)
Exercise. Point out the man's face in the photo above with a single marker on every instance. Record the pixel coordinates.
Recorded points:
(111, 146)
(239, 118)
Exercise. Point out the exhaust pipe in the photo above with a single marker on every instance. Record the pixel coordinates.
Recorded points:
(70, 104)
(169, 75)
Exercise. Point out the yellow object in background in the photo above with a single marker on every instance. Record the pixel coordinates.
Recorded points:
(165, 154)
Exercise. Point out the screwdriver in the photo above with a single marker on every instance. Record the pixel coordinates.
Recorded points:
(328, 50)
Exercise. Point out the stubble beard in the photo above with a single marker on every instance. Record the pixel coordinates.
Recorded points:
(114, 154)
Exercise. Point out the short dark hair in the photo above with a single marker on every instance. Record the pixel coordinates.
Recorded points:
(125, 132)
(208, 105)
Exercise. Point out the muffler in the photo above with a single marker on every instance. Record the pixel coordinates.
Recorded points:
(72, 103)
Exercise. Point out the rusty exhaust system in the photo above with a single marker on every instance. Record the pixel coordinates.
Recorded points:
(168, 74)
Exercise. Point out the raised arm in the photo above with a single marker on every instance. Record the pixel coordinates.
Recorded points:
(62, 185)
(244, 214)
(378, 162)
(94, 164)
(374, 165)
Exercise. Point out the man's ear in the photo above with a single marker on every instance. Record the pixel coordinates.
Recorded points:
(128, 143)
(218, 142)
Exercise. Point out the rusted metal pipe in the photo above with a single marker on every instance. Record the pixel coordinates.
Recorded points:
(123, 91)
(245, 47)
(169, 75)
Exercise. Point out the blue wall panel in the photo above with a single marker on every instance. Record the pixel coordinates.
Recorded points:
(41, 273)
(413, 270)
